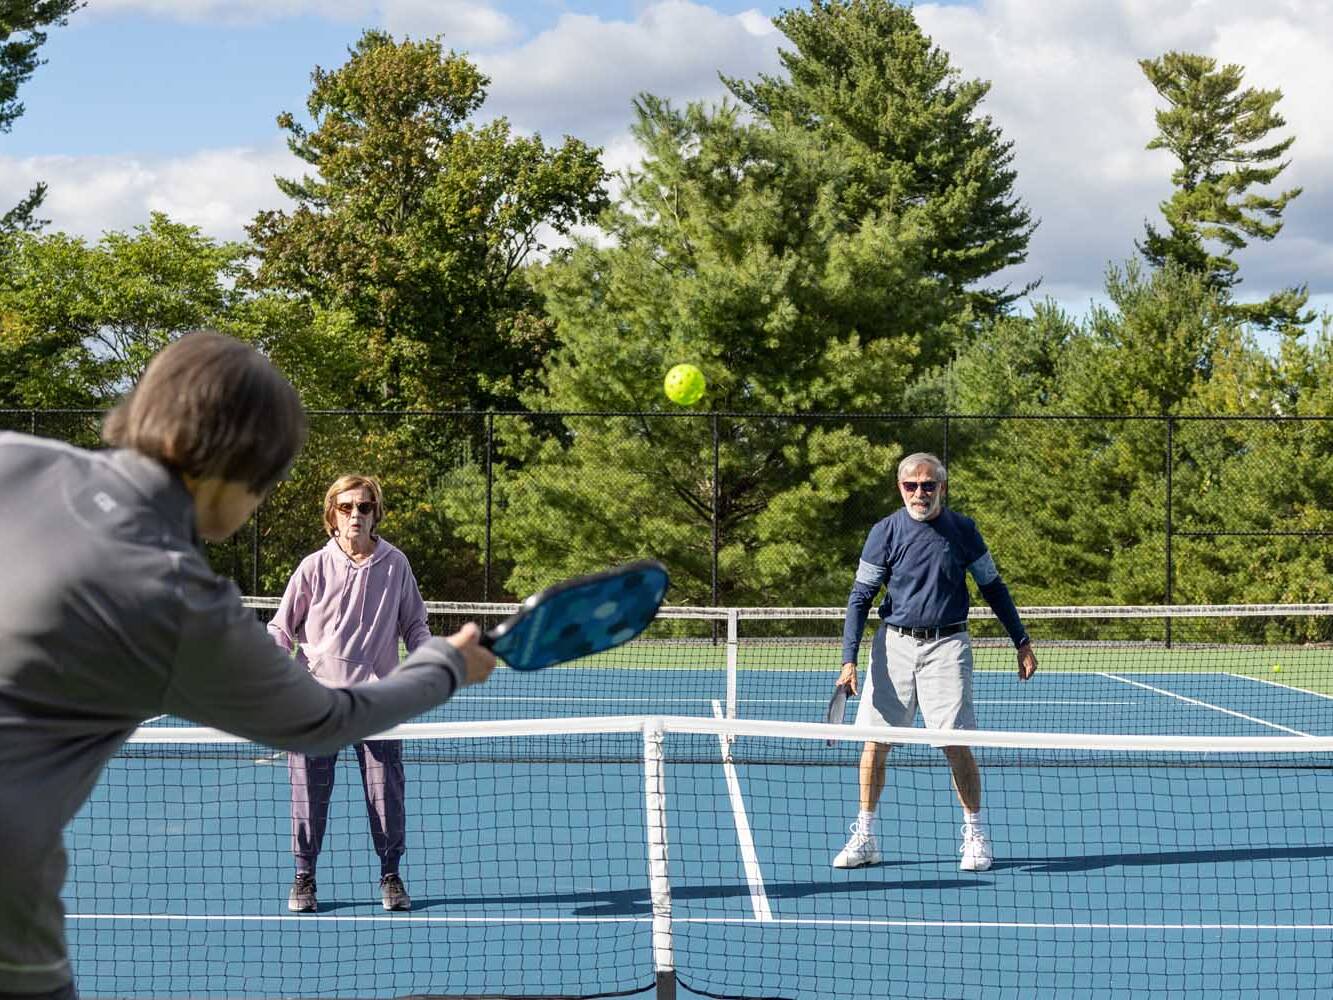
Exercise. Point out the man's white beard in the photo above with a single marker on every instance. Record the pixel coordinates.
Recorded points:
(928, 513)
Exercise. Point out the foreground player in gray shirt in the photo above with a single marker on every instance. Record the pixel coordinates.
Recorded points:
(111, 615)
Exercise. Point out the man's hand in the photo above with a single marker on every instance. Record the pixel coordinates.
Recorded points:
(478, 661)
(848, 677)
(1027, 661)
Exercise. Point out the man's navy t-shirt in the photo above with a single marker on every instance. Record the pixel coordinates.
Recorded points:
(924, 565)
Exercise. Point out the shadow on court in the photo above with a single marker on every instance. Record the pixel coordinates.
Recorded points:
(635, 902)
(1093, 862)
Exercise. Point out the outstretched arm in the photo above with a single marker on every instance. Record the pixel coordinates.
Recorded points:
(230, 674)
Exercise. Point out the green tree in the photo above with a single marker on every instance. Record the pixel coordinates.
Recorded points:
(879, 96)
(415, 229)
(730, 249)
(1072, 504)
(1219, 135)
(21, 35)
(1012, 367)
(78, 323)
(813, 250)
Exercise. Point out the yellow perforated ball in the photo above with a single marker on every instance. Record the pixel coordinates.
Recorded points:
(685, 385)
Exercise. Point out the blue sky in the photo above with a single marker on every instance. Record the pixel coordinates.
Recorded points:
(169, 104)
(137, 84)
(146, 84)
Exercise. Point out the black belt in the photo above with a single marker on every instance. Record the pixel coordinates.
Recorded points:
(928, 634)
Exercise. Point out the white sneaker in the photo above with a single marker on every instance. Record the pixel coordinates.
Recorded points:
(976, 852)
(861, 850)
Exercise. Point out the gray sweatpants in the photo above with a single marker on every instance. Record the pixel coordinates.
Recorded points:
(382, 778)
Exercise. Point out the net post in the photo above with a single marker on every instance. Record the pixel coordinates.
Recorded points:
(733, 658)
(1170, 568)
(659, 885)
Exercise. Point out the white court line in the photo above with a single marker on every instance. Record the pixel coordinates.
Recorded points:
(617, 699)
(1008, 924)
(1038, 702)
(331, 918)
(422, 918)
(753, 875)
(1204, 704)
(978, 701)
(1284, 687)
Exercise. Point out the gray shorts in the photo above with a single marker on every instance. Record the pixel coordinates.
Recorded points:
(935, 674)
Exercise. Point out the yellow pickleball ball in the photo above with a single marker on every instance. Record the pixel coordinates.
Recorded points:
(684, 385)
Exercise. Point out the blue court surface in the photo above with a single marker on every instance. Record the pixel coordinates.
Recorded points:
(1116, 875)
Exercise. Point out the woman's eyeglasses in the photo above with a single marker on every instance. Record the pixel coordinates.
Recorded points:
(366, 507)
(926, 486)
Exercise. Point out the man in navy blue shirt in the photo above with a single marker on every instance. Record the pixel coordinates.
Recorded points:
(921, 653)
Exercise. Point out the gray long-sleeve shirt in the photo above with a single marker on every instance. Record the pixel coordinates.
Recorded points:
(109, 615)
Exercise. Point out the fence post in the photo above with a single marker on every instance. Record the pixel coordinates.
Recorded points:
(717, 528)
(1170, 467)
(254, 551)
(490, 481)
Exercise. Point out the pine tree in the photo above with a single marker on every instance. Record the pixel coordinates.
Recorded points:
(1219, 134)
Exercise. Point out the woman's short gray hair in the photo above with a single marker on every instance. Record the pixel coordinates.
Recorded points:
(909, 463)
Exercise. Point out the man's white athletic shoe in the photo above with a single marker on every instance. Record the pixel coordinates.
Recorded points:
(976, 851)
(861, 850)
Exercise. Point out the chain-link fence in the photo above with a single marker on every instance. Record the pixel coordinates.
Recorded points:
(772, 509)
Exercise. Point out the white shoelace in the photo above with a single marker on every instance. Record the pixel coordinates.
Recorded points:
(859, 837)
(972, 836)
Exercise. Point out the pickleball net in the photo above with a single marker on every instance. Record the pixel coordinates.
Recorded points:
(1222, 670)
(672, 855)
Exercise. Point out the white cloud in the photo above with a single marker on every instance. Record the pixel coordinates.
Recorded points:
(1067, 90)
(233, 11)
(217, 190)
(465, 23)
(580, 77)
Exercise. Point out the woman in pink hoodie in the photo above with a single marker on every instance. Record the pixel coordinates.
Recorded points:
(344, 611)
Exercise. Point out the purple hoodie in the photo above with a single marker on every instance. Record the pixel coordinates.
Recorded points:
(344, 619)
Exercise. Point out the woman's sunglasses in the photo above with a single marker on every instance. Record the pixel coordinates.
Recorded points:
(366, 507)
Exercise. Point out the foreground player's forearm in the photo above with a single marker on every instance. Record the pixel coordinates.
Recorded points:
(228, 673)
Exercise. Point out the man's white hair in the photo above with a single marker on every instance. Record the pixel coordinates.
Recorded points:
(909, 463)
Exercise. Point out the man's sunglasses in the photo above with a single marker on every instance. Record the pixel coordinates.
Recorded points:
(926, 486)
(366, 507)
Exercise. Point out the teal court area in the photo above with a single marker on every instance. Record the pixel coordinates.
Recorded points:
(1120, 873)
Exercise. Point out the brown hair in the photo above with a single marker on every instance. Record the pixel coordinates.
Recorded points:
(352, 481)
(208, 406)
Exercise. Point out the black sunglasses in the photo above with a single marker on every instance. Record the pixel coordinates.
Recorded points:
(926, 486)
(366, 507)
